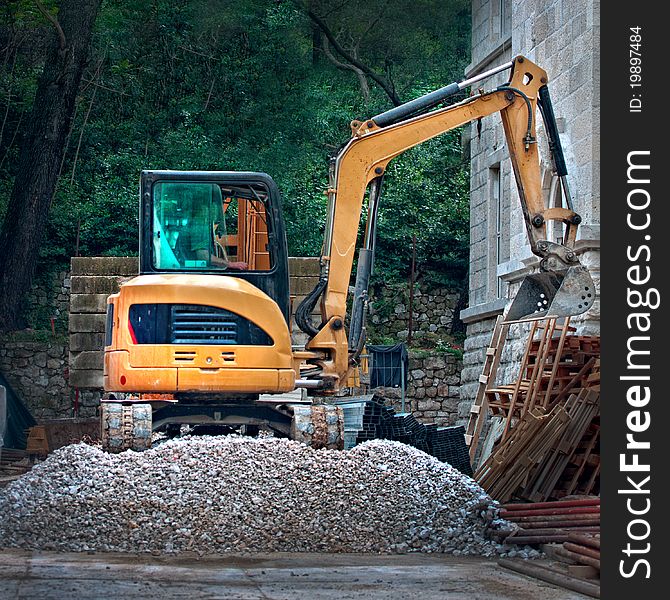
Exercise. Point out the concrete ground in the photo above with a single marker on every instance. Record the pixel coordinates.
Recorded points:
(45, 575)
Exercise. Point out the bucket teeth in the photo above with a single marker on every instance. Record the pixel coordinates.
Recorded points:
(553, 294)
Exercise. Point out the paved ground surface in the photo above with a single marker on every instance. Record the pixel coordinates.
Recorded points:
(27, 575)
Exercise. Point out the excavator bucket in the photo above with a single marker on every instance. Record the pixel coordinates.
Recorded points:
(553, 294)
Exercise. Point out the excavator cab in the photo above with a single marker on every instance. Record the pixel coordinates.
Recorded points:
(209, 311)
(217, 223)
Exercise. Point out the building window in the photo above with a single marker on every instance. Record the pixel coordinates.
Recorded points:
(505, 10)
(496, 195)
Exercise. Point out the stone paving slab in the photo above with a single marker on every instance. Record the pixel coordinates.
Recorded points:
(265, 576)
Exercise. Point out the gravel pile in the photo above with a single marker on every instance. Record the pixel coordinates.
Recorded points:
(240, 494)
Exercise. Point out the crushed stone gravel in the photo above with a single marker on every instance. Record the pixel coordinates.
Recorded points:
(241, 494)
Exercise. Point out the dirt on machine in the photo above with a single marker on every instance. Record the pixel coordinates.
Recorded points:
(202, 336)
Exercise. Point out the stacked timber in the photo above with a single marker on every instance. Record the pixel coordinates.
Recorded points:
(548, 418)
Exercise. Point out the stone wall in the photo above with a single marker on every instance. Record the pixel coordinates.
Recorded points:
(49, 302)
(35, 361)
(37, 370)
(433, 388)
(92, 280)
(432, 313)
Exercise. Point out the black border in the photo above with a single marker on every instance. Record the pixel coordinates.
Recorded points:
(623, 131)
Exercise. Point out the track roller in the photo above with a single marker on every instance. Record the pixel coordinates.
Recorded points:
(320, 426)
(125, 426)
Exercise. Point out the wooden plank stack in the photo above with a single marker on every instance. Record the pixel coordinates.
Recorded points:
(549, 446)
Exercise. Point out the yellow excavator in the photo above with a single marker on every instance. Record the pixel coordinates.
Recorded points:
(205, 328)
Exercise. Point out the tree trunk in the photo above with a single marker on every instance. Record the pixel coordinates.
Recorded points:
(41, 154)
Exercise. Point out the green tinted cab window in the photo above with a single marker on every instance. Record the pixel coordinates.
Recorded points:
(204, 226)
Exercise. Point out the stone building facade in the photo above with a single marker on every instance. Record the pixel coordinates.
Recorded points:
(561, 36)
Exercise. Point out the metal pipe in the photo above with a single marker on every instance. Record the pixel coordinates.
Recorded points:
(308, 383)
(537, 539)
(486, 74)
(555, 531)
(560, 579)
(373, 209)
(360, 299)
(583, 550)
(556, 504)
(595, 514)
(547, 112)
(578, 558)
(571, 510)
(585, 540)
(566, 192)
(562, 524)
(330, 218)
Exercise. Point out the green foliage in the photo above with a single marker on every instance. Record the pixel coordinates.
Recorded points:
(449, 347)
(42, 336)
(212, 84)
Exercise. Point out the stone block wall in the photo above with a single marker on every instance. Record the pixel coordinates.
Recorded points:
(432, 313)
(48, 303)
(304, 275)
(37, 371)
(36, 366)
(92, 280)
(433, 388)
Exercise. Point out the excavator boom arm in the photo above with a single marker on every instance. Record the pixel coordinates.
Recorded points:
(365, 158)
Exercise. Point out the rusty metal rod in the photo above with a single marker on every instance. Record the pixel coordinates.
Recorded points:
(585, 540)
(562, 524)
(556, 530)
(583, 550)
(550, 576)
(578, 558)
(308, 383)
(531, 519)
(557, 504)
(536, 539)
(572, 510)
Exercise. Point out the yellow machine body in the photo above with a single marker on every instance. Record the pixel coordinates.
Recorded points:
(168, 368)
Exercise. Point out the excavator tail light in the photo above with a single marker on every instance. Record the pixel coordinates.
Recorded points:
(553, 294)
